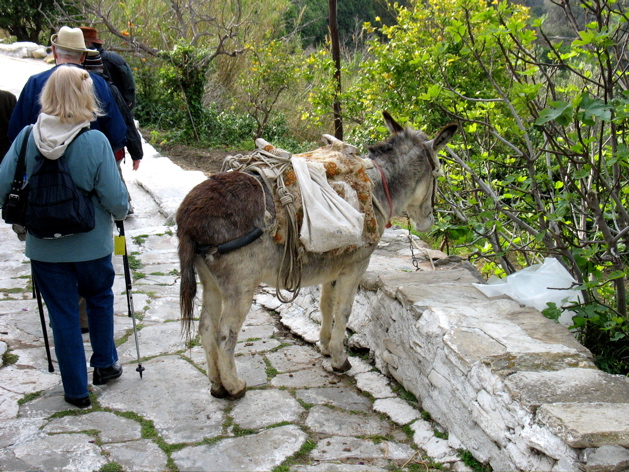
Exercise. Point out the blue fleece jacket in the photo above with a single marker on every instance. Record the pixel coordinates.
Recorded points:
(93, 167)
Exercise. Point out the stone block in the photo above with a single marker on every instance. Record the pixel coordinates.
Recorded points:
(397, 409)
(607, 459)
(258, 409)
(543, 361)
(343, 448)
(255, 452)
(471, 345)
(541, 439)
(331, 422)
(569, 385)
(583, 425)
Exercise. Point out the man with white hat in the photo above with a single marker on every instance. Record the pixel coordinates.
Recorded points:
(68, 48)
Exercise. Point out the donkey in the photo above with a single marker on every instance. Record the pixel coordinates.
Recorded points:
(232, 206)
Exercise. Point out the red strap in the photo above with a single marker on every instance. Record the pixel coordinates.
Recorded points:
(119, 154)
(386, 192)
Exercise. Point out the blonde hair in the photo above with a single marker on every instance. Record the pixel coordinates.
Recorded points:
(69, 94)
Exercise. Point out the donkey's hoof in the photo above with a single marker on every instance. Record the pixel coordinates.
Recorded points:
(219, 392)
(239, 393)
(344, 368)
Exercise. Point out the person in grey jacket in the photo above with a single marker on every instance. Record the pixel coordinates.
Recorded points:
(80, 264)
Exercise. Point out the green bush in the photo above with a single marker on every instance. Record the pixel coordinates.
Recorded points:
(605, 334)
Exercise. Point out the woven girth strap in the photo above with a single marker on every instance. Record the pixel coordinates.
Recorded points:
(271, 169)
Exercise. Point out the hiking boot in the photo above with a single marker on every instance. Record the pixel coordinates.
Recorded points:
(80, 402)
(102, 375)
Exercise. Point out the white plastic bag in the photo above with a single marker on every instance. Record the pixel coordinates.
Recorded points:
(536, 286)
(329, 221)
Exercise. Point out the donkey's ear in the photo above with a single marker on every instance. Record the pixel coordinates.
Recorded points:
(445, 136)
(393, 125)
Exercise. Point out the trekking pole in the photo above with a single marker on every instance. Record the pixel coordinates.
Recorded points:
(127, 278)
(40, 306)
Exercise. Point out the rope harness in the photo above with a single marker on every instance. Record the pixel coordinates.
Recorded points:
(271, 168)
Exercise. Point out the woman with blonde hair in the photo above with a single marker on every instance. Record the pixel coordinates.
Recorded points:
(79, 265)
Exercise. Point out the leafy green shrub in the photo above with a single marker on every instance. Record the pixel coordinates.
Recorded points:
(605, 334)
(220, 128)
(156, 106)
(163, 108)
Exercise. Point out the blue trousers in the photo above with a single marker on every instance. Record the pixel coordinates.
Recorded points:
(61, 284)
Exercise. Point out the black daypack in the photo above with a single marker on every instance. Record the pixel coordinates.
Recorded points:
(56, 207)
(14, 208)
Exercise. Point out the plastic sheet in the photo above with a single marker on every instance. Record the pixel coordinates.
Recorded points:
(536, 286)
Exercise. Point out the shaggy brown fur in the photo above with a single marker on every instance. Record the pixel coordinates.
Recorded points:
(225, 207)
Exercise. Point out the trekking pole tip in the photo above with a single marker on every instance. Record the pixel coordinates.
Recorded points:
(140, 369)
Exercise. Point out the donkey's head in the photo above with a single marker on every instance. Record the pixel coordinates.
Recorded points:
(415, 169)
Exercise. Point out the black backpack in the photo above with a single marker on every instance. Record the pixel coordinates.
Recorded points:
(56, 207)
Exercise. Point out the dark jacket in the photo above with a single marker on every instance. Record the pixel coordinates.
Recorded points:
(119, 73)
(134, 140)
(7, 104)
(27, 108)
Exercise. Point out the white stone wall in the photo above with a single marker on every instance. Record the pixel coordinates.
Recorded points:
(516, 389)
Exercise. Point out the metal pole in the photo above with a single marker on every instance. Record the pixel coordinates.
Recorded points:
(129, 287)
(42, 318)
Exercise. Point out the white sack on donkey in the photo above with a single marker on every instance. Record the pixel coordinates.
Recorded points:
(329, 221)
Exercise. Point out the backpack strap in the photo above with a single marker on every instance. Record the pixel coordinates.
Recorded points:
(92, 192)
(20, 170)
(83, 130)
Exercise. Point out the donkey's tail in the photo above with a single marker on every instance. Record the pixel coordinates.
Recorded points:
(188, 284)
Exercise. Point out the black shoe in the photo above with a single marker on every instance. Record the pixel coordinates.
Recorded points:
(80, 402)
(102, 375)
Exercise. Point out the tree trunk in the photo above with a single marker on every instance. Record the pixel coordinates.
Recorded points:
(336, 56)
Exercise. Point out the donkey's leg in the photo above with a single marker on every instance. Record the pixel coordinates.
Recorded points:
(208, 326)
(237, 299)
(342, 294)
(326, 305)
(236, 305)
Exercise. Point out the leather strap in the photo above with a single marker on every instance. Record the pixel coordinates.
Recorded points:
(20, 170)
